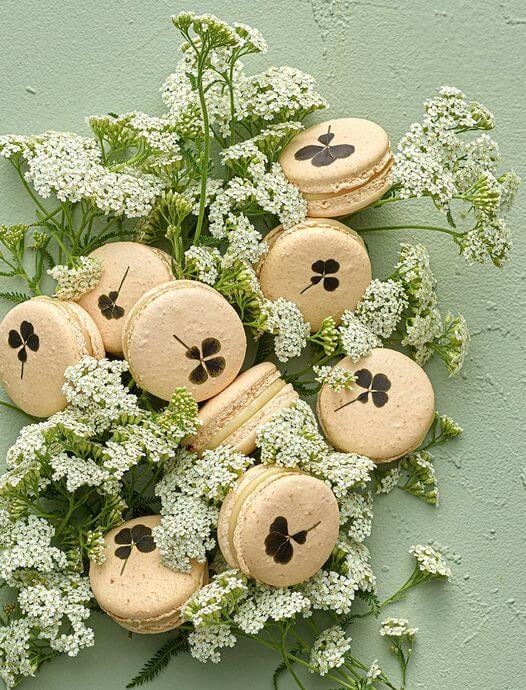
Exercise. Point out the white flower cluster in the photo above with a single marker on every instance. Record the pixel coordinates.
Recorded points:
(356, 515)
(284, 320)
(211, 602)
(430, 561)
(381, 307)
(74, 281)
(356, 338)
(336, 378)
(329, 650)
(205, 642)
(204, 262)
(70, 166)
(389, 481)
(190, 494)
(397, 627)
(263, 604)
(48, 597)
(277, 95)
(433, 160)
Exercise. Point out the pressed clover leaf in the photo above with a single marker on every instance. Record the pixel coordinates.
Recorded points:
(21, 341)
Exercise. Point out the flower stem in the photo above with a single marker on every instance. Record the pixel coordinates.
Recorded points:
(433, 228)
(206, 147)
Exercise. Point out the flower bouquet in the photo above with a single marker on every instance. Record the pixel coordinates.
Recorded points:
(157, 483)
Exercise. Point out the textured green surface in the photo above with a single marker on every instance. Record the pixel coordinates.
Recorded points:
(376, 59)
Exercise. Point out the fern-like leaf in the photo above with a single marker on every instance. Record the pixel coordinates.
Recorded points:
(280, 670)
(16, 297)
(159, 661)
(265, 348)
(371, 600)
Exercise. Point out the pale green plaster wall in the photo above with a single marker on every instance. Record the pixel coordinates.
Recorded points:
(63, 60)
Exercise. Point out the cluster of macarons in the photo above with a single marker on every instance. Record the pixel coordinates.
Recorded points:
(278, 525)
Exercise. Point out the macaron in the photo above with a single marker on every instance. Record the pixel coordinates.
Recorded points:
(388, 411)
(233, 417)
(340, 166)
(183, 333)
(129, 269)
(278, 525)
(320, 264)
(39, 340)
(133, 586)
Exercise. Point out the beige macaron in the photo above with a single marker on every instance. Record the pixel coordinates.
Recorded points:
(320, 264)
(39, 340)
(387, 413)
(129, 269)
(278, 525)
(340, 166)
(132, 585)
(183, 333)
(233, 417)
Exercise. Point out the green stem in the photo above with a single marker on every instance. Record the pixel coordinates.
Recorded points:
(29, 190)
(284, 654)
(206, 148)
(434, 228)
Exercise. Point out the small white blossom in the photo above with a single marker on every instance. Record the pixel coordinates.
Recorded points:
(356, 514)
(286, 322)
(72, 282)
(430, 561)
(216, 599)
(77, 471)
(381, 307)
(205, 262)
(357, 339)
(330, 591)
(205, 642)
(329, 650)
(336, 378)
(397, 627)
(263, 604)
(389, 480)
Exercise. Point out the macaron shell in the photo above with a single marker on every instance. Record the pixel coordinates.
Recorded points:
(345, 203)
(370, 155)
(173, 325)
(59, 343)
(392, 426)
(139, 592)
(303, 254)
(91, 332)
(286, 529)
(134, 268)
(226, 412)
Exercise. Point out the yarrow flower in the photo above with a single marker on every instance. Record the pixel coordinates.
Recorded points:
(337, 378)
(356, 338)
(329, 650)
(73, 282)
(381, 307)
(216, 600)
(205, 642)
(397, 627)
(284, 320)
(263, 604)
(430, 562)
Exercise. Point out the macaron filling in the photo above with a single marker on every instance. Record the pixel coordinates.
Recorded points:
(353, 184)
(245, 414)
(244, 492)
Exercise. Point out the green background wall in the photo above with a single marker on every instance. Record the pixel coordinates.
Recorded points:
(379, 59)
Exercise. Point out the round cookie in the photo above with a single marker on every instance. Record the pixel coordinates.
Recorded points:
(129, 269)
(326, 265)
(340, 166)
(388, 411)
(183, 333)
(278, 525)
(132, 585)
(39, 340)
(233, 417)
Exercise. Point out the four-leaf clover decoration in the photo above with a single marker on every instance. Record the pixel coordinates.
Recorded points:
(138, 536)
(320, 156)
(322, 269)
(377, 386)
(278, 542)
(27, 338)
(208, 364)
(108, 303)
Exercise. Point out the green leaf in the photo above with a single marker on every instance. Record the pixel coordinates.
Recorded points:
(371, 600)
(159, 661)
(304, 389)
(265, 348)
(280, 670)
(17, 297)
